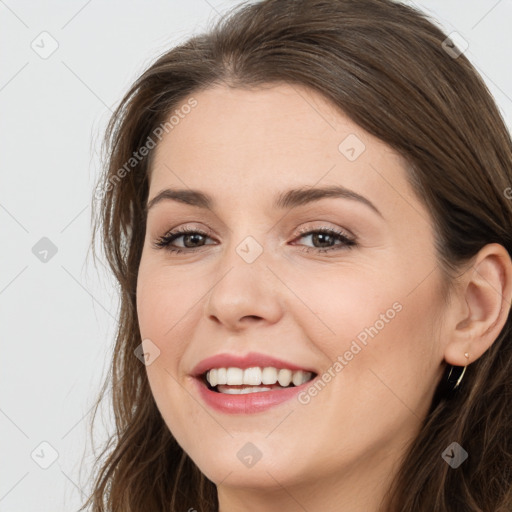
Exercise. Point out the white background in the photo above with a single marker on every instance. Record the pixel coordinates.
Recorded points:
(58, 318)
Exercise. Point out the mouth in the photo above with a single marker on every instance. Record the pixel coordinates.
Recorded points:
(238, 381)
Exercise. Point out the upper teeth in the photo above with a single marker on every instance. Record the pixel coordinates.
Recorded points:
(255, 376)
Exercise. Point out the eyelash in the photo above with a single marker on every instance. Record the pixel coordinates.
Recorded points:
(165, 240)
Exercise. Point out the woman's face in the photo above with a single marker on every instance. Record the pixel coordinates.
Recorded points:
(258, 277)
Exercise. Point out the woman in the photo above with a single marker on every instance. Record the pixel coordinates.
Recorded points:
(308, 212)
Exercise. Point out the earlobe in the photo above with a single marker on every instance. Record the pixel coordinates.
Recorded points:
(486, 288)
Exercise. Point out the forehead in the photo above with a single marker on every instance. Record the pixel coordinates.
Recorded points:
(246, 144)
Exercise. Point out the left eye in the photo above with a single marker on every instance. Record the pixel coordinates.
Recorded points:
(326, 239)
(193, 239)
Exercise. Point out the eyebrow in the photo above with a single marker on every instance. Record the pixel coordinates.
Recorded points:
(288, 199)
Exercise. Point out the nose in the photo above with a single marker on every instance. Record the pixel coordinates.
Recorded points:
(244, 294)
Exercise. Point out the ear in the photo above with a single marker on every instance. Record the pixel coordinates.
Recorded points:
(484, 296)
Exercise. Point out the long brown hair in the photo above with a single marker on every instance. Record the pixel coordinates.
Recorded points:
(384, 65)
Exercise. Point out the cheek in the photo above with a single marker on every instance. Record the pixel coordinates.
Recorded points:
(164, 310)
(162, 307)
(168, 309)
(380, 332)
(165, 297)
(343, 304)
(383, 358)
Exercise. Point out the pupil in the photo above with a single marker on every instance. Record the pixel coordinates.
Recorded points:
(319, 236)
(188, 237)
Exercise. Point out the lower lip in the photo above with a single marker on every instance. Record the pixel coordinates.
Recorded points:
(250, 402)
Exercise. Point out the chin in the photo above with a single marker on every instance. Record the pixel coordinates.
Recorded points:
(229, 471)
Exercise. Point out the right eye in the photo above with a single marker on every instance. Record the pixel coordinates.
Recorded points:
(190, 237)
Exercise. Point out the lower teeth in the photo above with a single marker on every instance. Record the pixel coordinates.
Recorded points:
(242, 390)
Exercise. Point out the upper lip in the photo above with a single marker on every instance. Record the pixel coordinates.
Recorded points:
(249, 360)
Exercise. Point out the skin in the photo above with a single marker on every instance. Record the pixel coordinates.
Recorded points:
(339, 451)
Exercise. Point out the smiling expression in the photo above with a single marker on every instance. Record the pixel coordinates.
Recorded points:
(296, 247)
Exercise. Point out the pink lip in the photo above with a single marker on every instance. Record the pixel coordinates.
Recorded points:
(250, 402)
(248, 361)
